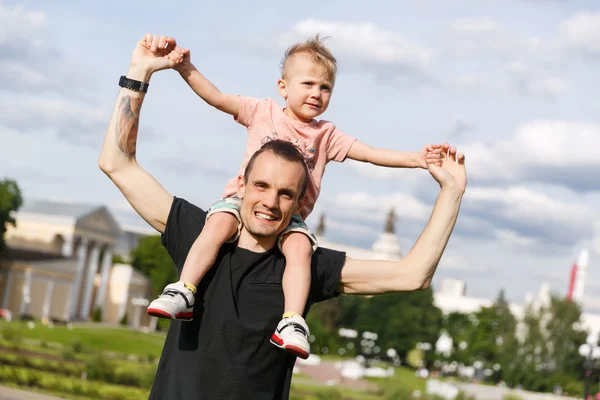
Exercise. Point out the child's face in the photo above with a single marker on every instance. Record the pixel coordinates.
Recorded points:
(306, 89)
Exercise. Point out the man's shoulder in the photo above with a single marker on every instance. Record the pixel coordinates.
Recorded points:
(181, 205)
(185, 219)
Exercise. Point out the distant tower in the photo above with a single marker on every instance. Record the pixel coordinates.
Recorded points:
(577, 278)
(387, 246)
(391, 220)
(320, 231)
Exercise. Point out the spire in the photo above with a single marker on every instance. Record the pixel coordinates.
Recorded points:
(391, 219)
(321, 227)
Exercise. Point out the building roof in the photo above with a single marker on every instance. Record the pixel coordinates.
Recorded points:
(65, 209)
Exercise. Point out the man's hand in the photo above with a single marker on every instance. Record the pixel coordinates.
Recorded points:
(451, 173)
(151, 53)
(431, 154)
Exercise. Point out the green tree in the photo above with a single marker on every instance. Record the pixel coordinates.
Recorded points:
(10, 200)
(151, 258)
(547, 354)
(401, 319)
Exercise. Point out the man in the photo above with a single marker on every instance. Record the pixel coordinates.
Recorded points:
(224, 353)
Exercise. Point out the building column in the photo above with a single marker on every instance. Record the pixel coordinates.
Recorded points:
(48, 299)
(67, 247)
(104, 275)
(74, 297)
(26, 293)
(67, 313)
(8, 286)
(88, 287)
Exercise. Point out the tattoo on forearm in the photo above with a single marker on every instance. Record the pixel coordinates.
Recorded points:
(128, 119)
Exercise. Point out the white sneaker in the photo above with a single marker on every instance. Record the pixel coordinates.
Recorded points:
(292, 335)
(175, 302)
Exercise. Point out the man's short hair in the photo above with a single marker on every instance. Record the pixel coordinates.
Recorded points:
(285, 150)
(316, 51)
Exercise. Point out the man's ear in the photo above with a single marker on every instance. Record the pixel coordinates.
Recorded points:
(241, 186)
(282, 88)
(301, 204)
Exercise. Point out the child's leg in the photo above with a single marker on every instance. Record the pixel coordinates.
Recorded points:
(297, 245)
(177, 299)
(297, 249)
(219, 228)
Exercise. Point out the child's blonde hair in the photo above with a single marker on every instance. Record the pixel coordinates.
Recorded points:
(316, 51)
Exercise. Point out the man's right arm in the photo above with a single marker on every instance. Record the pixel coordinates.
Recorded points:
(118, 156)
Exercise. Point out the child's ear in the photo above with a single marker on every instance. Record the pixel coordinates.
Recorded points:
(282, 88)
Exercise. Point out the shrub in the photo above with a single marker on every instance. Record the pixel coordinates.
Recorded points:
(13, 335)
(97, 315)
(101, 369)
(77, 347)
(511, 397)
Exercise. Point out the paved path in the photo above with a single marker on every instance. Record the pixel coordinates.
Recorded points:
(484, 392)
(16, 394)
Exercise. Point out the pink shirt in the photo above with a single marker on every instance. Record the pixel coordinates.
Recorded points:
(319, 142)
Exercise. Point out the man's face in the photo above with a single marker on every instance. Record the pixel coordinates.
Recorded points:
(271, 195)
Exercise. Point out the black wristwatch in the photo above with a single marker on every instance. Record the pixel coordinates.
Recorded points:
(133, 84)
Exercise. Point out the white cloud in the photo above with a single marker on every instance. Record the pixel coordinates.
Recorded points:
(366, 47)
(535, 81)
(16, 24)
(512, 239)
(582, 32)
(474, 26)
(77, 122)
(381, 173)
(456, 263)
(487, 58)
(556, 152)
(377, 206)
(559, 143)
(350, 229)
(521, 204)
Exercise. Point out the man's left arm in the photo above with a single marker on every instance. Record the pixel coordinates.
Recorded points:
(416, 270)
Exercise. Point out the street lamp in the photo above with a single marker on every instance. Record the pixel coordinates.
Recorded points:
(591, 352)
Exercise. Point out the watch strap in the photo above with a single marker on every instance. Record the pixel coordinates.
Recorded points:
(132, 84)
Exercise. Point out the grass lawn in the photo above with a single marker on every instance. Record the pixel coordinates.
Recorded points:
(91, 337)
(94, 338)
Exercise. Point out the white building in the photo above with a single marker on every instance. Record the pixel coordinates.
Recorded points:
(58, 265)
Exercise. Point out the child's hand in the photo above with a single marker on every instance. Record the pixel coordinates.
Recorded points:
(181, 57)
(432, 154)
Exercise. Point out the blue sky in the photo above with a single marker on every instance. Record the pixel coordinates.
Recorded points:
(504, 81)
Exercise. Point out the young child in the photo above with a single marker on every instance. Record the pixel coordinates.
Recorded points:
(308, 73)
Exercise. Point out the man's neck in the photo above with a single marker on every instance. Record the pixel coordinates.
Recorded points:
(256, 244)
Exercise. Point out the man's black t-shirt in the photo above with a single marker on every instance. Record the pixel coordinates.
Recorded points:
(225, 353)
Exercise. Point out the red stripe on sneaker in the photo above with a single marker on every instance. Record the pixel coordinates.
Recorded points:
(297, 351)
(276, 339)
(157, 312)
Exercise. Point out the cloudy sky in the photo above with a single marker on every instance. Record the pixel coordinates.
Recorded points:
(505, 81)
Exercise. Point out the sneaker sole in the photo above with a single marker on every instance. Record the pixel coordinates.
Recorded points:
(293, 350)
(182, 316)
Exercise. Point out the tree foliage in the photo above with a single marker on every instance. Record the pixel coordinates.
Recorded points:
(400, 320)
(151, 258)
(10, 200)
